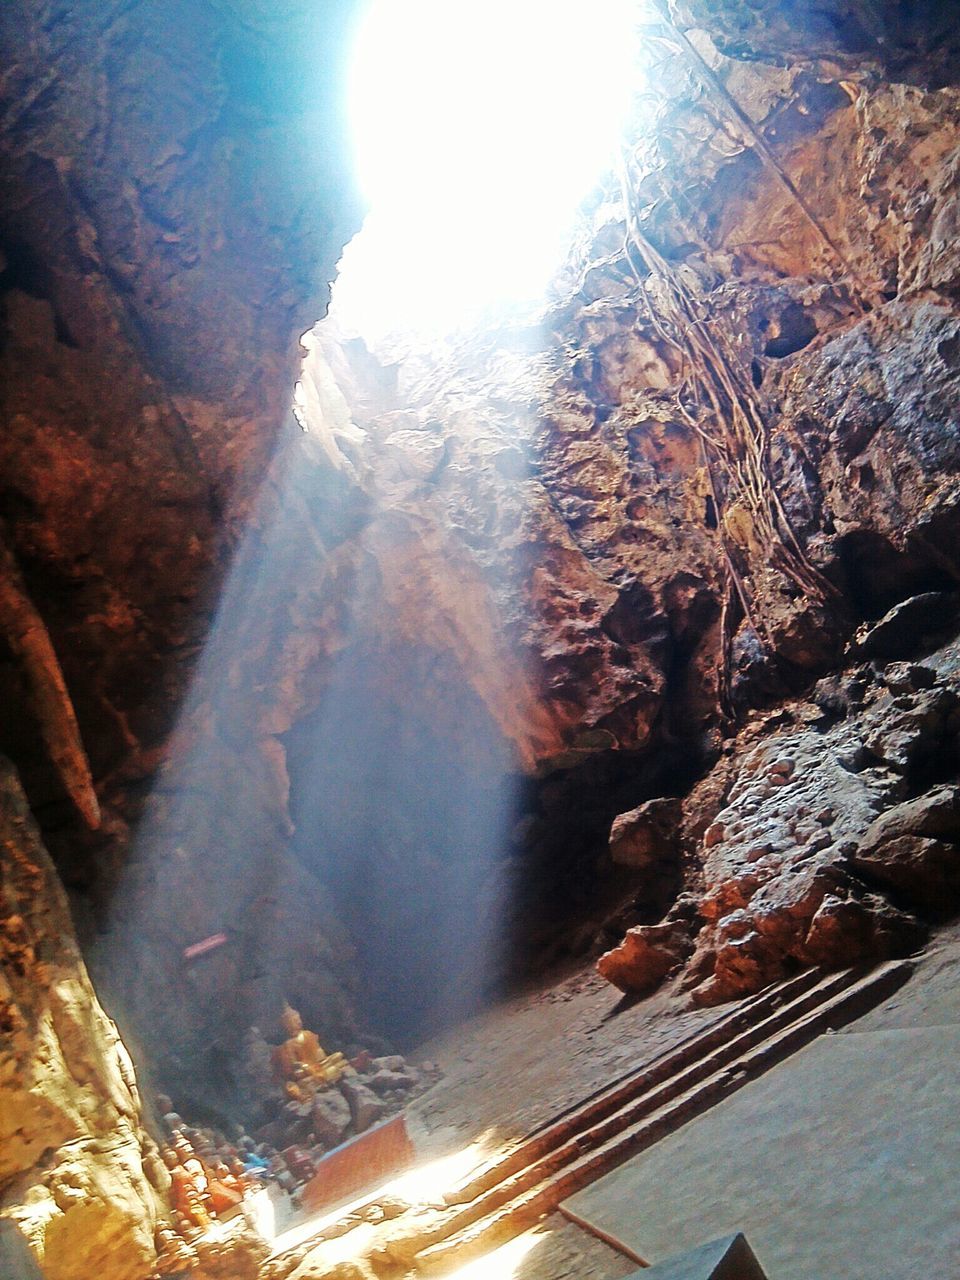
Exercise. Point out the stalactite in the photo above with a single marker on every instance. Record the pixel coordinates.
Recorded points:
(24, 631)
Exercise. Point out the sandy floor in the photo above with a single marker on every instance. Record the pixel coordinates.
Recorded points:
(850, 1165)
(523, 1062)
(526, 1061)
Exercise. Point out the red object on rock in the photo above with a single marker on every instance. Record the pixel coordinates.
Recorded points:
(201, 948)
(299, 1163)
(361, 1164)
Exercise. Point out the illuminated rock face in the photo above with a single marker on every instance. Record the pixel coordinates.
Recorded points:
(831, 826)
(163, 242)
(73, 1156)
(567, 476)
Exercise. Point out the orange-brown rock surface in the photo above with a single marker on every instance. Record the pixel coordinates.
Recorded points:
(573, 548)
(162, 244)
(620, 537)
(175, 195)
(78, 1176)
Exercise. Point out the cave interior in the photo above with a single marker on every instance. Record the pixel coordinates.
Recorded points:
(524, 575)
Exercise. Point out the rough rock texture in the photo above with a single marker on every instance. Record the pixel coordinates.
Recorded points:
(619, 523)
(828, 830)
(508, 584)
(916, 42)
(75, 1163)
(645, 957)
(175, 195)
(555, 472)
(646, 835)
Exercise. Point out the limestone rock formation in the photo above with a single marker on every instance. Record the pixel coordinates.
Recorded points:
(830, 836)
(645, 956)
(78, 1175)
(646, 835)
(673, 494)
(175, 195)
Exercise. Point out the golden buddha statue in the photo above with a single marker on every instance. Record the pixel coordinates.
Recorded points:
(300, 1062)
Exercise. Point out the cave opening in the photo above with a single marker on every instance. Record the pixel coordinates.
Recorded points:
(477, 131)
(408, 786)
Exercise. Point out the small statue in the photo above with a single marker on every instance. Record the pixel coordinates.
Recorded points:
(299, 1164)
(225, 1189)
(187, 1187)
(301, 1062)
(172, 1121)
(281, 1175)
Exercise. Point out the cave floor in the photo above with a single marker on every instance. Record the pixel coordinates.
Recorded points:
(524, 1061)
(850, 1166)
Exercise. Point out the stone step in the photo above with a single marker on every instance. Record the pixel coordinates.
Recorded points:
(583, 1131)
(613, 1096)
(463, 1241)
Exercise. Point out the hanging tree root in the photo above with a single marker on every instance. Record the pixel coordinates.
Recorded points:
(24, 631)
(731, 425)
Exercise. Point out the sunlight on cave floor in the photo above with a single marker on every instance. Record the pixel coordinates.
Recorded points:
(424, 1185)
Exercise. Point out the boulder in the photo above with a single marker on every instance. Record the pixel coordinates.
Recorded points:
(936, 813)
(237, 1257)
(331, 1117)
(903, 628)
(365, 1107)
(854, 930)
(645, 957)
(647, 835)
(391, 1081)
(389, 1062)
(923, 871)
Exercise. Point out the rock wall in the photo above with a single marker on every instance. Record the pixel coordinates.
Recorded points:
(174, 197)
(624, 521)
(75, 1163)
(827, 833)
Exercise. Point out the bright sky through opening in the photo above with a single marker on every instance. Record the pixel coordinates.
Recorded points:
(479, 127)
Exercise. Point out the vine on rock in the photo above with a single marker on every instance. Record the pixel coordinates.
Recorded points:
(717, 400)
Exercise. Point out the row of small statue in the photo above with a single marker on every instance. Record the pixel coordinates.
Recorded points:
(206, 1185)
(200, 1192)
(215, 1184)
(207, 1182)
